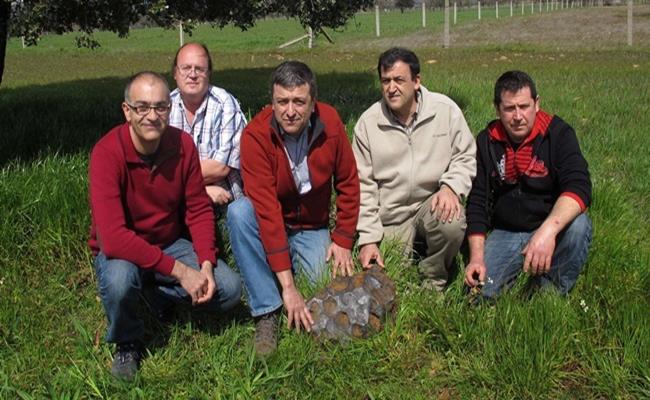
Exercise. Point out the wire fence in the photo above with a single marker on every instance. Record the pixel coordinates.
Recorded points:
(495, 9)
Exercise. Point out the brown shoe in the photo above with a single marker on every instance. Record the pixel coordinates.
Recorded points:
(266, 333)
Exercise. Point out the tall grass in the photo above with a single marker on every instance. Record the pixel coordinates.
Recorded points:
(594, 343)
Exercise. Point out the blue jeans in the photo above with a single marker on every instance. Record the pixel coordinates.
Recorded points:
(308, 249)
(121, 283)
(504, 261)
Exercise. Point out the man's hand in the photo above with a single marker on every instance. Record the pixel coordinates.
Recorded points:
(194, 282)
(218, 195)
(297, 312)
(538, 253)
(342, 260)
(445, 205)
(206, 269)
(475, 273)
(369, 253)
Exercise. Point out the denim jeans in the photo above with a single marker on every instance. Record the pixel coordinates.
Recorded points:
(121, 284)
(308, 249)
(504, 261)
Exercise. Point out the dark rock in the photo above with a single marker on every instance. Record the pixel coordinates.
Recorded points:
(355, 306)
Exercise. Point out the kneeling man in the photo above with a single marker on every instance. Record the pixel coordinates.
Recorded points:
(532, 188)
(416, 160)
(146, 191)
(292, 153)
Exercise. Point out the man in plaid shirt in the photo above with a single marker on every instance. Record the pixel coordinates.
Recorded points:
(214, 119)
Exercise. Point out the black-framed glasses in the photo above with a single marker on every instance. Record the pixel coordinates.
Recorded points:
(186, 70)
(143, 109)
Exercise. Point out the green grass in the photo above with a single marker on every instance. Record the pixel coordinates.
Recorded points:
(56, 101)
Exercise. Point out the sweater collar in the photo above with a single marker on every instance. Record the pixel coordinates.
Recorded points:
(498, 132)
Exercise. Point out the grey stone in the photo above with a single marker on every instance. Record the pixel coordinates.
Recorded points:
(353, 307)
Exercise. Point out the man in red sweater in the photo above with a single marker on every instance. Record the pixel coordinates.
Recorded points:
(146, 192)
(292, 153)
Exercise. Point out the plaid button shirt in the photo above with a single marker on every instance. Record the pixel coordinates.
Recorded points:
(216, 130)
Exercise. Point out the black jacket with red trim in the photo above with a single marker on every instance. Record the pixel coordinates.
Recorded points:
(557, 168)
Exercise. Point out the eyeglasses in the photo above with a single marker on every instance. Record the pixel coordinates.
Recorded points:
(186, 70)
(143, 109)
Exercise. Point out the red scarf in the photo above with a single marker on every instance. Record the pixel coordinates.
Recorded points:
(522, 160)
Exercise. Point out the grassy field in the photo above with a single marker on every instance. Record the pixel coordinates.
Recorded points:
(56, 101)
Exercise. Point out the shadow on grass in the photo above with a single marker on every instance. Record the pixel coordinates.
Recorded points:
(69, 117)
(158, 332)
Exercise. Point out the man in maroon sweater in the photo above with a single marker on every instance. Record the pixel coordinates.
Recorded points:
(146, 192)
(292, 153)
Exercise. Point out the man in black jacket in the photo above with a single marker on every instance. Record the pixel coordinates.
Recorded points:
(531, 189)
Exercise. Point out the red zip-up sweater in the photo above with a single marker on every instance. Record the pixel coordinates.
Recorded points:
(269, 184)
(138, 209)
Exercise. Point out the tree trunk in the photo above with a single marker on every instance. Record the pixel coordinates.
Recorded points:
(5, 9)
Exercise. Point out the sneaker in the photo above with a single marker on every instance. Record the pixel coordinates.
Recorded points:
(266, 333)
(126, 361)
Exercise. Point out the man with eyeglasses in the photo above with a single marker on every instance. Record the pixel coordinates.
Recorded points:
(146, 193)
(214, 119)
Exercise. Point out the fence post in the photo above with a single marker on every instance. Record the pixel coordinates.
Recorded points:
(532, 6)
(310, 38)
(424, 15)
(511, 8)
(455, 13)
(540, 5)
(377, 19)
(522, 7)
(180, 33)
(479, 10)
(629, 22)
(496, 3)
(445, 39)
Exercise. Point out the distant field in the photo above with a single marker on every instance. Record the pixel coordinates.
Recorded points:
(56, 101)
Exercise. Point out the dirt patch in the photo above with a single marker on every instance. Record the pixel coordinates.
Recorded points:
(591, 28)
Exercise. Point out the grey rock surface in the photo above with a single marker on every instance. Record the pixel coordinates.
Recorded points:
(353, 307)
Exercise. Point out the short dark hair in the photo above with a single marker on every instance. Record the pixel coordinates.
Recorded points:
(513, 81)
(290, 74)
(388, 58)
(205, 49)
(139, 75)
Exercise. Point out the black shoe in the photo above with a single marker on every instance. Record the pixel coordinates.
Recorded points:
(126, 361)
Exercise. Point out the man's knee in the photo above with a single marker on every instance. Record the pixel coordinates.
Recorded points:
(578, 232)
(449, 232)
(228, 285)
(119, 280)
(240, 214)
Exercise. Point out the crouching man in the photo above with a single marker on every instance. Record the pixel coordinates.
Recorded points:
(292, 153)
(146, 191)
(532, 188)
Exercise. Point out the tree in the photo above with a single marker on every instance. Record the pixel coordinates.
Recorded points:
(402, 4)
(5, 9)
(33, 18)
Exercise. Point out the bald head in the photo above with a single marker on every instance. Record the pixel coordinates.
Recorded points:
(144, 77)
(192, 46)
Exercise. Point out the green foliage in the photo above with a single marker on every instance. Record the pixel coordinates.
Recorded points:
(594, 343)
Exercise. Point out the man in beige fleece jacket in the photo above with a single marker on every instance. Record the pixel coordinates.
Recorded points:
(416, 161)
